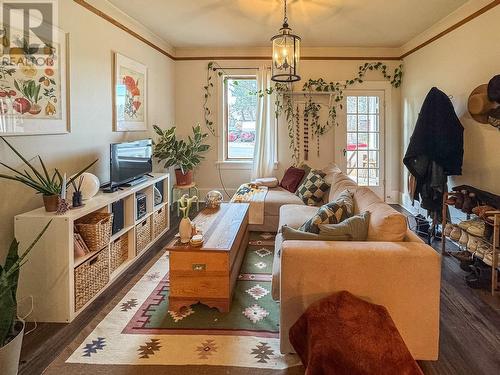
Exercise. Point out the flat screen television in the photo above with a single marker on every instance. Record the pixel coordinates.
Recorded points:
(130, 161)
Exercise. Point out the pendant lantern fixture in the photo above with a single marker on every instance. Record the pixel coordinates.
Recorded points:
(286, 54)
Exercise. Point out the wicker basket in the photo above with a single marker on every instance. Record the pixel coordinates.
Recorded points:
(118, 252)
(90, 277)
(143, 234)
(95, 229)
(159, 221)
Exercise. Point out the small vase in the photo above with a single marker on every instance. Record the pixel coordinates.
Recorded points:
(77, 199)
(51, 202)
(10, 353)
(185, 230)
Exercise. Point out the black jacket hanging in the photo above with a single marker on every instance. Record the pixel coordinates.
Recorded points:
(438, 135)
(435, 150)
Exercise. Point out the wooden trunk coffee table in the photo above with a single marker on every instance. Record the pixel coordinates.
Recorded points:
(207, 274)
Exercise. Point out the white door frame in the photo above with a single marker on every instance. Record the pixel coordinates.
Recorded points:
(383, 90)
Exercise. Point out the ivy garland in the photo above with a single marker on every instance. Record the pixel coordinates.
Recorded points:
(284, 101)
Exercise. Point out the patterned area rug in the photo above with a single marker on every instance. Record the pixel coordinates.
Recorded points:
(140, 330)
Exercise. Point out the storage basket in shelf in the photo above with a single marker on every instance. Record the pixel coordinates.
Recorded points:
(95, 228)
(159, 221)
(118, 252)
(143, 234)
(90, 277)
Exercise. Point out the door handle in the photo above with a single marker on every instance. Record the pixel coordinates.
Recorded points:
(344, 152)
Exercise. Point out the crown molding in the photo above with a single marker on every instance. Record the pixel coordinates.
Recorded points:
(442, 28)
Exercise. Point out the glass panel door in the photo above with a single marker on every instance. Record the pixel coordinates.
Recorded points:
(360, 139)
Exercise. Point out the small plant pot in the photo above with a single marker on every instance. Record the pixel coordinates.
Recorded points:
(183, 179)
(50, 202)
(10, 353)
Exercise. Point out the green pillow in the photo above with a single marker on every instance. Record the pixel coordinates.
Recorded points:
(330, 213)
(295, 234)
(355, 228)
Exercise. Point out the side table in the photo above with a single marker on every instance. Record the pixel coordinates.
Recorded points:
(178, 191)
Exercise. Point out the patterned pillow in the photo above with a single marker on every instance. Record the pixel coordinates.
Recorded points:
(313, 188)
(330, 213)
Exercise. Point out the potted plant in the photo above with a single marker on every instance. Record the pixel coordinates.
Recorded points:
(185, 225)
(48, 185)
(11, 327)
(185, 155)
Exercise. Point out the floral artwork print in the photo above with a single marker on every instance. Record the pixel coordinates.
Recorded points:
(133, 83)
(130, 94)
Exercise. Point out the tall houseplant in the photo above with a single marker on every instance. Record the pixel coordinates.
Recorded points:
(184, 155)
(11, 327)
(49, 185)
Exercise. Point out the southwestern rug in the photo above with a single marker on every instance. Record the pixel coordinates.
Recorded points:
(140, 334)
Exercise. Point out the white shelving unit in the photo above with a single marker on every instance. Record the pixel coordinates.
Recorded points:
(48, 276)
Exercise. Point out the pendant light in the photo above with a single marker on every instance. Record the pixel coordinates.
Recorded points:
(286, 54)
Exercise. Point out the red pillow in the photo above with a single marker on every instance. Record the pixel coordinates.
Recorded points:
(292, 178)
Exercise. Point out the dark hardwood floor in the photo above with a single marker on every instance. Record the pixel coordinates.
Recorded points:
(469, 339)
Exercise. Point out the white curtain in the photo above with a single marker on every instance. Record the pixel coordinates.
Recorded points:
(265, 135)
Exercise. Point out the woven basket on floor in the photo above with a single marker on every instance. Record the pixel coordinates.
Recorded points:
(90, 277)
(159, 221)
(118, 252)
(143, 234)
(95, 229)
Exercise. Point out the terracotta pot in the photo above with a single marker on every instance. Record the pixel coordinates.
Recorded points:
(10, 353)
(50, 202)
(183, 178)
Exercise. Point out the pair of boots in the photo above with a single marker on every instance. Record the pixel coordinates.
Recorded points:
(479, 276)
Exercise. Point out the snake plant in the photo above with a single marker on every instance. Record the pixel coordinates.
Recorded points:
(9, 276)
(43, 182)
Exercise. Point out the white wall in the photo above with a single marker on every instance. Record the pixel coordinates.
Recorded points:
(456, 64)
(92, 41)
(189, 82)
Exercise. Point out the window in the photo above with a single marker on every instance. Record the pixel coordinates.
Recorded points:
(240, 111)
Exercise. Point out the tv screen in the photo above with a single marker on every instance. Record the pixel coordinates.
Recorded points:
(130, 160)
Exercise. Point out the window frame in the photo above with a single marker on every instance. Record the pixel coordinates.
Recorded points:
(225, 116)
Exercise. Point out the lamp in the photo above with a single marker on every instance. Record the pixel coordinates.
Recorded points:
(286, 54)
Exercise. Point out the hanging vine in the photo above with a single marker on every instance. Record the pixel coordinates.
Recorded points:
(284, 102)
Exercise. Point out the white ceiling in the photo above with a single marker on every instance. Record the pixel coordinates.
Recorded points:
(250, 23)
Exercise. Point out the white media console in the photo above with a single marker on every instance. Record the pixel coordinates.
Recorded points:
(49, 274)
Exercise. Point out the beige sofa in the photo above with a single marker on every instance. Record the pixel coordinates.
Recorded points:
(393, 268)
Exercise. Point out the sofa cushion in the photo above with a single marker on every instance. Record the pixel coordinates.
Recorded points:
(330, 213)
(306, 169)
(386, 224)
(292, 178)
(354, 228)
(313, 188)
(339, 182)
(277, 197)
(294, 215)
(295, 234)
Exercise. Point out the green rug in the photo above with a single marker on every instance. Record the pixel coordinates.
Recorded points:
(252, 309)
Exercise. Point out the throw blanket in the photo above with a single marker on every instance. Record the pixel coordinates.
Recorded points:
(255, 195)
(344, 335)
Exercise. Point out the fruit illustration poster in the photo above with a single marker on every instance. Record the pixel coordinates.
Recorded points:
(33, 88)
(130, 94)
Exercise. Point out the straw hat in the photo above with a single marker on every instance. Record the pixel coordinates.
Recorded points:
(483, 102)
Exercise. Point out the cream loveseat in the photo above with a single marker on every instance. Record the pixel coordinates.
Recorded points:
(393, 268)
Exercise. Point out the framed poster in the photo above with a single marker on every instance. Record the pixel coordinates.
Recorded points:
(130, 94)
(34, 89)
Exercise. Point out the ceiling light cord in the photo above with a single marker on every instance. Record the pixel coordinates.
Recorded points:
(285, 17)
